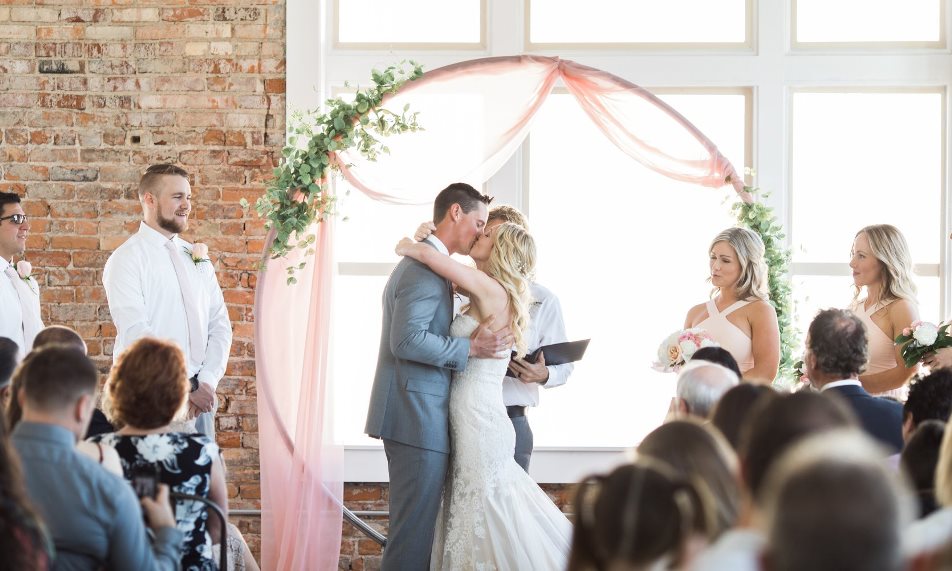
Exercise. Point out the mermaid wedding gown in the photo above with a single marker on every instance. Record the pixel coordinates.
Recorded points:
(493, 515)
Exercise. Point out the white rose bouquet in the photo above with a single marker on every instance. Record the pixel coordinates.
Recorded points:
(922, 338)
(678, 348)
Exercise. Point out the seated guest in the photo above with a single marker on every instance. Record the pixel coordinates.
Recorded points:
(733, 409)
(640, 516)
(23, 539)
(931, 533)
(700, 385)
(693, 450)
(774, 426)
(919, 459)
(833, 505)
(718, 355)
(8, 362)
(930, 398)
(93, 516)
(836, 351)
(147, 388)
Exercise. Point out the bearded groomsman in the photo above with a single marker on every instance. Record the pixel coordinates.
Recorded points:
(159, 285)
(19, 292)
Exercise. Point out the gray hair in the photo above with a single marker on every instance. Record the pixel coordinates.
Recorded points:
(701, 384)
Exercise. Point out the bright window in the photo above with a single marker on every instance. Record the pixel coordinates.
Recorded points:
(626, 22)
(409, 22)
(868, 21)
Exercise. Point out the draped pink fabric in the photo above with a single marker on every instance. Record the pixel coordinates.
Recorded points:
(482, 110)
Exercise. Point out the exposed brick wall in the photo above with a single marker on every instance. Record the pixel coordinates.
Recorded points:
(91, 93)
(359, 553)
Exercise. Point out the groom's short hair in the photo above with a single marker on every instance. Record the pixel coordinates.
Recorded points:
(457, 193)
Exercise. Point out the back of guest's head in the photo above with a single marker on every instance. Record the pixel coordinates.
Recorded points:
(943, 472)
(750, 251)
(889, 246)
(508, 213)
(692, 449)
(777, 424)
(732, 411)
(458, 193)
(919, 459)
(638, 515)
(718, 355)
(837, 341)
(59, 334)
(832, 505)
(54, 377)
(22, 539)
(148, 384)
(701, 384)
(8, 360)
(930, 397)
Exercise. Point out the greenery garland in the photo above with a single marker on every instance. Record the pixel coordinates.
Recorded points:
(297, 196)
(761, 219)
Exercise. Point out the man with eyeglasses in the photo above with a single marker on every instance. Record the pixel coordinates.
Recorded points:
(19, 292)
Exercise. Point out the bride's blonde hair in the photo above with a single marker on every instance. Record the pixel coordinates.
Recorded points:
(512, 264)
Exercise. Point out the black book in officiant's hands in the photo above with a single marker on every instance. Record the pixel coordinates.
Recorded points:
(555, 354)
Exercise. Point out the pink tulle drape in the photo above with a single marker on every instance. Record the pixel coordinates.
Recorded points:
(481, 111)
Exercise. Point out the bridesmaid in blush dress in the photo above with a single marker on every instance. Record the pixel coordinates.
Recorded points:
(739, 315)
(882, 265)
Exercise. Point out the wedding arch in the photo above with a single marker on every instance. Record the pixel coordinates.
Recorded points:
(301, 469)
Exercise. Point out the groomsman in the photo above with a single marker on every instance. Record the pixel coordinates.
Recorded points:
(19, 292)
(159, 285)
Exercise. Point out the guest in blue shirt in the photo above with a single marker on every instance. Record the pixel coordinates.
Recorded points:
(93, 516)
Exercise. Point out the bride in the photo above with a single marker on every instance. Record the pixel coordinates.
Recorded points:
(493, 515)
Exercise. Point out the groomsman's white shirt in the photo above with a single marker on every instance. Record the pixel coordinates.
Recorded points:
(546, 327)
(11, 314)
(145, 300)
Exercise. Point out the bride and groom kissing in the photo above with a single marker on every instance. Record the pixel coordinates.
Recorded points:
(458, 499)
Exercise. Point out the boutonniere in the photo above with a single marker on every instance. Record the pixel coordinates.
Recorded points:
(25, 270)
(199, 253)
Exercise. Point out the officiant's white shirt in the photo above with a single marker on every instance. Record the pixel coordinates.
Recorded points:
(11, 314)
(145, 300)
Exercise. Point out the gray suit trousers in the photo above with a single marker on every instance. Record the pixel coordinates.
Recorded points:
(523, 441)
(416, 488)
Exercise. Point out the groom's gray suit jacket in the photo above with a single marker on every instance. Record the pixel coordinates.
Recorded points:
(410, 398)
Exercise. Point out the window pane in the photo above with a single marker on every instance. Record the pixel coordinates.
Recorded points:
(627, 264)
(813, 293)
(409, 21)
(861, 159)
(624, 21)
(368, 229)
(357, 314)
(868, 20)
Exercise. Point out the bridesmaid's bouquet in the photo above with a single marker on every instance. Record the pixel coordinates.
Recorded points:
(922, 338)
(679, 347)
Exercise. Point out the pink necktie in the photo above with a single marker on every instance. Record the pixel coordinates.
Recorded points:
(29, 308)
(196, 341)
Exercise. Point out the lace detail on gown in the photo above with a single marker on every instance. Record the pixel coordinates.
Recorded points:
(493, 515)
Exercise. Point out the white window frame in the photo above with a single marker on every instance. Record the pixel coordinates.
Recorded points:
(772, 69)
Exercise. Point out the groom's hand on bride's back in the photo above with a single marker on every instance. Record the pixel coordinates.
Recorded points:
(486, 343)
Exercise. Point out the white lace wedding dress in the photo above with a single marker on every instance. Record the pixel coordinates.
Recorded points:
(493, 515)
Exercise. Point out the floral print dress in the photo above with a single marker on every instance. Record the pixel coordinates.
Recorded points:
(185, 465)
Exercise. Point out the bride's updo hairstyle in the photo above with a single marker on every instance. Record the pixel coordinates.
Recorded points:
(640, 515)
(148, 386)
(889, 246)
(512, 263)
(750, 255)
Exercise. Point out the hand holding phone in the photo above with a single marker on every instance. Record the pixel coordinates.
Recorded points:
(145, 481)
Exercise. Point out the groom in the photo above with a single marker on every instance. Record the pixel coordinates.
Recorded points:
(409, 404)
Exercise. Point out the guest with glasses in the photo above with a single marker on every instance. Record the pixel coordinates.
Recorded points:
(19, 291)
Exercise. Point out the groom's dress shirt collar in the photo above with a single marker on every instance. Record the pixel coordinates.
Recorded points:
(145, 299)
(432, 239)
(11, 314)
(846, 383)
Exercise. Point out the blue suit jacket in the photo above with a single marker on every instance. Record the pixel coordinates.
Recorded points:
(409, 402)
(880, 418)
